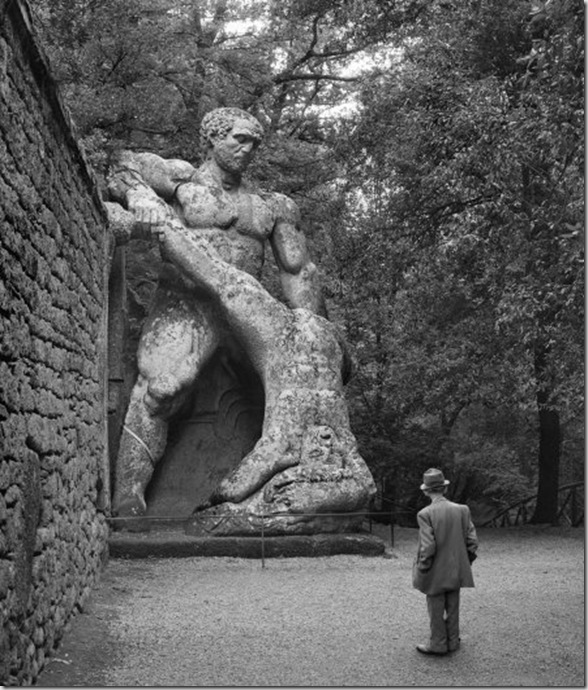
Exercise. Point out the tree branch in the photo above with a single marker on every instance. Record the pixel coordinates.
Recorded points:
(309, 76)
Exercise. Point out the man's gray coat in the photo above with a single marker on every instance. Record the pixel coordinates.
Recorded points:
(446, 535)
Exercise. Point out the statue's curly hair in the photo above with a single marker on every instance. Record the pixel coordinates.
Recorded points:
(221, 120)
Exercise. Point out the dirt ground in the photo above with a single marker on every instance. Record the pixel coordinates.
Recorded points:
(331, 621)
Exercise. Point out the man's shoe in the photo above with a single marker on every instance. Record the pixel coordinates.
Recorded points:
(424, 649)
(454, 647)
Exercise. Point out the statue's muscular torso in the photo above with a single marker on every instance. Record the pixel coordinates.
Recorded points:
(236, 224)
(237, 221)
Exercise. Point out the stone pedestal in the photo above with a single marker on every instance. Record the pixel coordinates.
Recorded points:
(161, 543)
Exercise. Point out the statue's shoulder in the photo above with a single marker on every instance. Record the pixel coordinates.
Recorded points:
(147, 159)
(283, 207)
(179, 169)
(200, 177)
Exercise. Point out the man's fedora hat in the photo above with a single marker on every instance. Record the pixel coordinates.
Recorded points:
(433, 479)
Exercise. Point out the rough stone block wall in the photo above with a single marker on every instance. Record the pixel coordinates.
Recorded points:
(53, 259)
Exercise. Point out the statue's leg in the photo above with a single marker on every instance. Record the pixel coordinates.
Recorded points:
(141, 446)
(178, 338)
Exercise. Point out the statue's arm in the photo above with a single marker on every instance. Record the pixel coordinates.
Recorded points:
(144, 182)
(298, 274)
(250, 309)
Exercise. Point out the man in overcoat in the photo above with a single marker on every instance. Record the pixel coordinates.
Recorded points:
(446, 548)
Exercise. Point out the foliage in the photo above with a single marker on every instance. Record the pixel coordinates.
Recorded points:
(470, 286)
(436, 151)
(141, 73)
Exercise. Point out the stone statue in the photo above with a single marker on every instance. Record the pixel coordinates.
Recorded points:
(305, 474)
(183, 330)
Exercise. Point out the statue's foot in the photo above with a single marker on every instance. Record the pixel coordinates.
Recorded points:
(128, 513)
(202, 506)
(132, 506)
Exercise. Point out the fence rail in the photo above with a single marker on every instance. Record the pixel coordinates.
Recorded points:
(570, 509)
(143, 523)
(365, 515)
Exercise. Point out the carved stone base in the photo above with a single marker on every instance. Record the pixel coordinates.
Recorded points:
(246, 524)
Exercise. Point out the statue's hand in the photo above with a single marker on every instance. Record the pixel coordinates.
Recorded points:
(149, 212)
(120, 222)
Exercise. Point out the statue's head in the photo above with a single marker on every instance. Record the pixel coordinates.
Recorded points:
(225, 129)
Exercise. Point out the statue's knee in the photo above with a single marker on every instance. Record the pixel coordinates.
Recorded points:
(161, 394)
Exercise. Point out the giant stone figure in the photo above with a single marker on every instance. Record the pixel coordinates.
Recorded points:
(211, 213)
(305, 472)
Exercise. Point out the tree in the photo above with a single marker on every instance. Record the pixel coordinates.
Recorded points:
(482, 213)
(552, 88)
(141, 73)
(446, 196)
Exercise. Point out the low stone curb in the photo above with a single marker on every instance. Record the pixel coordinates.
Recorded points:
(168, 544)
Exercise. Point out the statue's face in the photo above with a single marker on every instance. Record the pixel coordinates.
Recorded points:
(236, 149)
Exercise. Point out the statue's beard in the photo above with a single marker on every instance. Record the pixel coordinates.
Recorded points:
(235, 164)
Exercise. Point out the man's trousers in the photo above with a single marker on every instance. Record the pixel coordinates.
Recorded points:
(444, 617)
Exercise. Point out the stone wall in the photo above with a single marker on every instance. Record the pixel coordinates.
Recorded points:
(53, 259)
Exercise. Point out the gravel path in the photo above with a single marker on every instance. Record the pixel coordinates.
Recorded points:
(336, 621)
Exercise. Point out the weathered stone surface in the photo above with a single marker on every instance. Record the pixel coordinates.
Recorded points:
(306, 463)
(221, 426)
(306, 460)
(166, 544)
(52, 272)
(184, 329)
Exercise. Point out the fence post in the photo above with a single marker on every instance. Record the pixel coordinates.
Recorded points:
(262, 541)
(392, 525)
(574, 510)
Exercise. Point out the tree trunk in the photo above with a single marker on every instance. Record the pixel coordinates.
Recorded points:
(549, 449)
